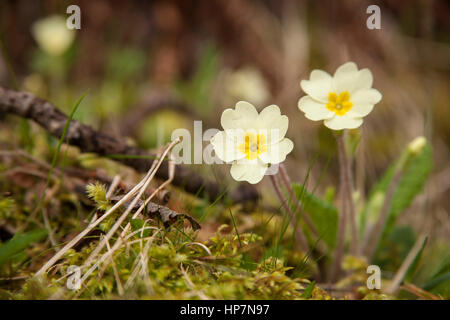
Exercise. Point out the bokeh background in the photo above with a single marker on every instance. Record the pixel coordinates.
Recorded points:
(204, 56)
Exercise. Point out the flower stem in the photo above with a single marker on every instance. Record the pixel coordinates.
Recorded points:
(292, 218)
(341, 229)
(347, 186)
(347, 208)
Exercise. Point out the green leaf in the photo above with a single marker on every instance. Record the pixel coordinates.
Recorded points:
(440, 274)
(410, 185)
(431, 284)
(413, 267)
(18, 243)
(309, 290)
(396, 247)
(275, 251)
(323, 214)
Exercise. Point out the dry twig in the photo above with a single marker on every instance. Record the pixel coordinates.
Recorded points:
(44, 113)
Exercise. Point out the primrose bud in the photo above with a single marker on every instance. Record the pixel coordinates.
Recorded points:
(412, 150)
(416, 146)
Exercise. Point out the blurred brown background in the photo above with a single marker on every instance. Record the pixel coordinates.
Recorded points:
(210, 54)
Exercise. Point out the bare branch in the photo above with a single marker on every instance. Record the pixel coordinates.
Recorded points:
(27, 105)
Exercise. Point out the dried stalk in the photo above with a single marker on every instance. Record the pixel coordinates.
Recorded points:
(90, 227)
(116, 273)
(119, 241)
(113, 229)
(115, 182)
(401, 272)
(47, 225)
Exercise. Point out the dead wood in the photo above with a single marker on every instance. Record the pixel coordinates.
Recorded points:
(29, 106)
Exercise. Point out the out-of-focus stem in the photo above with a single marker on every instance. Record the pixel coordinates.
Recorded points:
(319, 245)
(287, 184)
(292, 218)
(341, 226)
(347, 186)
(373, 236)
(409, 260)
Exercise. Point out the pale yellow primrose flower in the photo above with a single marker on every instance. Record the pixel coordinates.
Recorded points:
(341, 100)
(52, 35)
(252, 141)
(246, 84)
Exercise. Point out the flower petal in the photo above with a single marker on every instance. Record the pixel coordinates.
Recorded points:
(272, 124)
(365, 79)
(343, 122)
(319, 85)
(348, 78)
(247, 170)
(345, 78)
(277, 152)
(242, 117)
(360, 110)
(366, 96)
(363, 102)
(226, 147)
(313, 109)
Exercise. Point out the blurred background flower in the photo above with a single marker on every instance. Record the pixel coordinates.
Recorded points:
(52, 35)
(157, 65)
(245, 84)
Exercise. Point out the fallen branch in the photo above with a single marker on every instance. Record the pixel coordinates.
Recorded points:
(151, 103)
(168, 216)
(27, 105)
(165, 214)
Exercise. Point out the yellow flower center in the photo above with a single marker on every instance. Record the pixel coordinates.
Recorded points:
(253, 145)
(340, 104)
